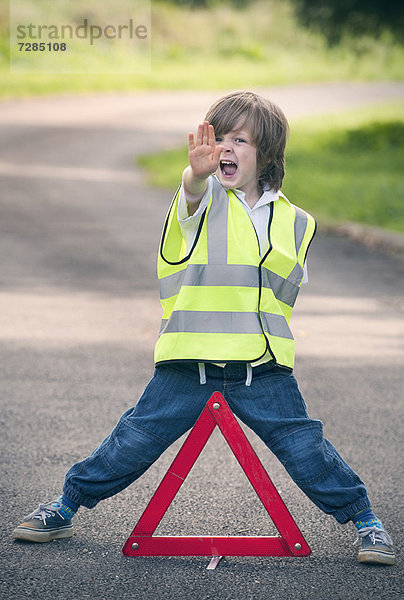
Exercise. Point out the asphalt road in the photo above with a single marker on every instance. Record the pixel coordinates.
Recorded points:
(79, 315)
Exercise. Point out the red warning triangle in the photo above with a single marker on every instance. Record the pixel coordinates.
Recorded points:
(290, 542)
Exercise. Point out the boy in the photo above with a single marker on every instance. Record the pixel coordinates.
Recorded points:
(231, 262)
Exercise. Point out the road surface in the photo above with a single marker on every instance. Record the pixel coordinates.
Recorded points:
(79, 316)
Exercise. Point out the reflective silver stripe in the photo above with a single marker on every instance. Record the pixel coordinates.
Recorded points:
(217, 225)
(276, 325)
(194, 321)
(190, 321)
(223, 275)
(171, 285)
(300, 227)
(296, 275)
(283, 289)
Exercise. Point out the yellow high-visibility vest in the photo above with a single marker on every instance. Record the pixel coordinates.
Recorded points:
(221, 300)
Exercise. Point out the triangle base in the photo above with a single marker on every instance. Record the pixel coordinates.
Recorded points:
(207, 546)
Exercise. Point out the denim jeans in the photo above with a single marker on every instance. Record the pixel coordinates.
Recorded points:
(172, 401)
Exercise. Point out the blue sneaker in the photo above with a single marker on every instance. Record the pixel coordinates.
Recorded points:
(376, 546)
(44, 524)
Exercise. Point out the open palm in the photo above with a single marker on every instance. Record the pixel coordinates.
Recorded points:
(204, 154)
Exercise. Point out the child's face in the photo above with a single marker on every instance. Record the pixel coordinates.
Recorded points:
(238, 161)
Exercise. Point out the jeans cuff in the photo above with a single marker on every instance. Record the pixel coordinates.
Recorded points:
(77, 498)
(343, 515)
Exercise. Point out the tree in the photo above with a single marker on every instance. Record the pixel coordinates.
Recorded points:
(334, 18)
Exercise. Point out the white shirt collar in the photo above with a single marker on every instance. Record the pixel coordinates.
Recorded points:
(267, 197)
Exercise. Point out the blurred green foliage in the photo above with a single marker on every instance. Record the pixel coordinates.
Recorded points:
(331, 18)
(209, 3)
(353, 17)
(222, 46)
(373, 137)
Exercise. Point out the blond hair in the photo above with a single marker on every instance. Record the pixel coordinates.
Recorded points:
(267, 125)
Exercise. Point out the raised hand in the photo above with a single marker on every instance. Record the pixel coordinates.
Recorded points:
(204, 154)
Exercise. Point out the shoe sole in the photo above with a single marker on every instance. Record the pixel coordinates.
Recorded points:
(376, 558)
(33, 535)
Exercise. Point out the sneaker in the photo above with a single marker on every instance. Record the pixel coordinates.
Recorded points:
(376, 546)
(44, 524)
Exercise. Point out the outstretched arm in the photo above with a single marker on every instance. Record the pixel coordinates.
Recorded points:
(204, 157)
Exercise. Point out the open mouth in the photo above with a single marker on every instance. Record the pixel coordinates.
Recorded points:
(228, 168)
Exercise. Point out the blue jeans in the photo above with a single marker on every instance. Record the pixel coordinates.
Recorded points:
(172, 401)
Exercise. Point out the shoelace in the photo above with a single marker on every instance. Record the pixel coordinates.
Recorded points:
(44, 512)
(375, 534)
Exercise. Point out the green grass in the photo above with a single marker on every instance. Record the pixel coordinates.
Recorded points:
(174, 162)
(222, 48)
(347, 167)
